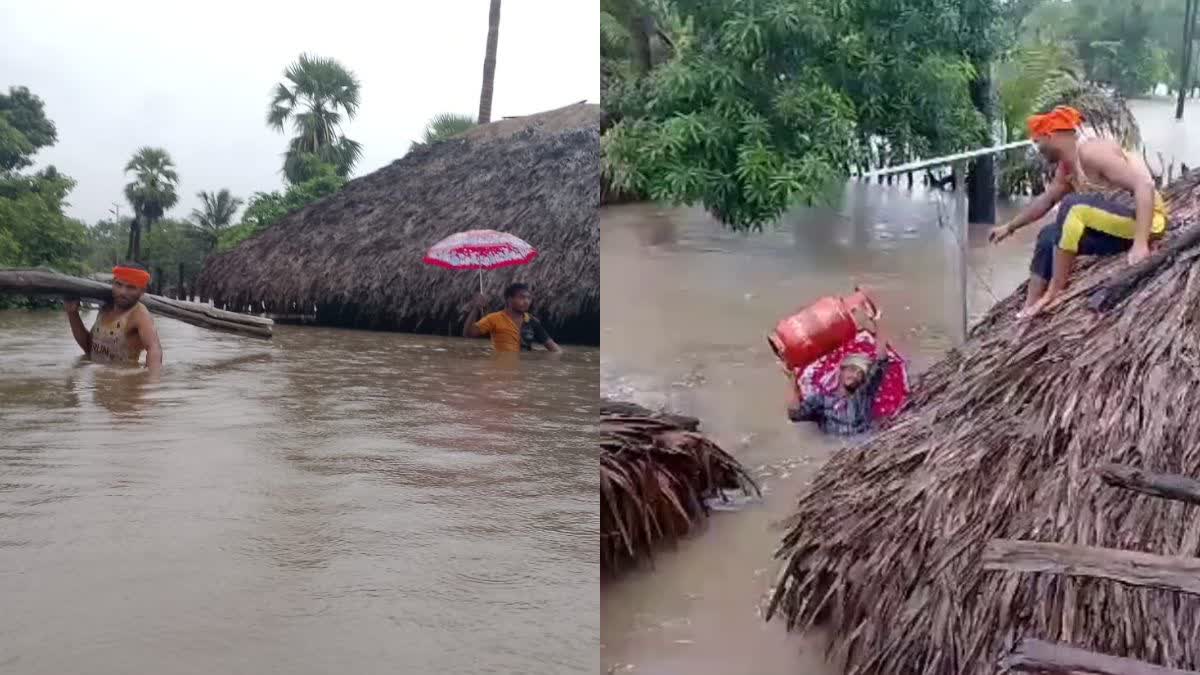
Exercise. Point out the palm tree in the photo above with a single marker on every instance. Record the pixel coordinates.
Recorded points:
(151, 194)
(443, 126)
(316, 94)
(216, 215)
(489, 64)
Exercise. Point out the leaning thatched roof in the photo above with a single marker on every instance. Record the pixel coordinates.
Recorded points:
(1001, 440)
(656, 471)
(356, 255)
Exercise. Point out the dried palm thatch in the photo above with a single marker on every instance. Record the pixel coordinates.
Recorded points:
(355, 256)
(656, 470)
(1002, 439)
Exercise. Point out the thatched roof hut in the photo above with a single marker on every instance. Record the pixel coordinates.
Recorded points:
(1002, 440)
(656, 471)
(356, 255)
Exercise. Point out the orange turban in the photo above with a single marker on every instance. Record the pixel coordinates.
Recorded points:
(1062, 118)
(132, 276)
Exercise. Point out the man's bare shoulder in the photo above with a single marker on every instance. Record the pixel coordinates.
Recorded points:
(1101, 150)
(140, 313)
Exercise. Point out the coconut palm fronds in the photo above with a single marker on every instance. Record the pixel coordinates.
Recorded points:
(1003, 439)
(656, 471)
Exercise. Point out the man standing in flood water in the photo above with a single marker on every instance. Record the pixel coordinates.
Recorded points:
(513, 328)
(124, 328)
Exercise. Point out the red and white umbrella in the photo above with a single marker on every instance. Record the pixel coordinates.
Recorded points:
(480, 250)
(821, 376)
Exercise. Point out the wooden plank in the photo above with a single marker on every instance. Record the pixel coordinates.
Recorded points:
(1165, 485)
(40, 281)
(1054, 657)
(1129, 567)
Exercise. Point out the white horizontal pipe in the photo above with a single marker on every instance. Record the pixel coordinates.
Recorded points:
(947, 159)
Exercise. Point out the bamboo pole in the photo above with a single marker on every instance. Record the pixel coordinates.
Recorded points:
(1170, 573)
(1165, 485)
(1052, 657)
(41, 281)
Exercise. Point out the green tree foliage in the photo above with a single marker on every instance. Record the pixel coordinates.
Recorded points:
(266, 208)
(106, 244)
(151, 193)
(33, 229)
(214, 216)
(24, 128)
(765, 103)
(315, 97)
(1034, 75)
(1130, 46)
(170, 243)
(443, 126)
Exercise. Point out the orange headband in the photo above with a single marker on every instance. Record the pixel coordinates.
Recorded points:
(131, 276)
(1062, 118)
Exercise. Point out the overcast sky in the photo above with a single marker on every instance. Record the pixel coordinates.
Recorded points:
(195, 78)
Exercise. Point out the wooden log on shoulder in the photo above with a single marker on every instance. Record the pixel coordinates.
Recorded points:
(1165, 485)
(1128, 567)
(1040, 656)
(40, 281)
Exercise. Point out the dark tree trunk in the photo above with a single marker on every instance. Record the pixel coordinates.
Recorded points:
(981, 187)
(641, 26)
(133, 226)
(180, 292)
(1185, 65)
(136, 254)
(489, 64)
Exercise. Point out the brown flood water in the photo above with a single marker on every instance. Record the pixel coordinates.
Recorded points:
(686, 308)
(332, 501)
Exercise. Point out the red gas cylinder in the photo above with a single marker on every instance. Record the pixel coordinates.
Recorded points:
(818, 329)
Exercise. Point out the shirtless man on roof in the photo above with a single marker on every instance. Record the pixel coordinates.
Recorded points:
(1089, 221)
(124, 328)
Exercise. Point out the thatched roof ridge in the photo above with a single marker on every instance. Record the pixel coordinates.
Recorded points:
(356, 255)
(1001, 440)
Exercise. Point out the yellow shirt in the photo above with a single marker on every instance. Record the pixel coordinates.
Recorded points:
(505, 334)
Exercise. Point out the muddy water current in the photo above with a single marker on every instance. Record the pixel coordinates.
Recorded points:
(332, 501)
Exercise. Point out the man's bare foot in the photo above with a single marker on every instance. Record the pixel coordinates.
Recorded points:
(1045, 302)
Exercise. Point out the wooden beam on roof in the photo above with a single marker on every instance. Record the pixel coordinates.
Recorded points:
(1054, 657)
(1172, 573)
(1165, 485)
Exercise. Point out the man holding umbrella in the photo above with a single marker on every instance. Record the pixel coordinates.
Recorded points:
(513, 328)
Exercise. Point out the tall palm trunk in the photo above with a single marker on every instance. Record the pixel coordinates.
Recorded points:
(135, 242)
(489, 64)
(1185, 67)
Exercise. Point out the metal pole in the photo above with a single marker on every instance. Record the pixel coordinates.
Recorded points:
(962, 231)
(944, 160)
